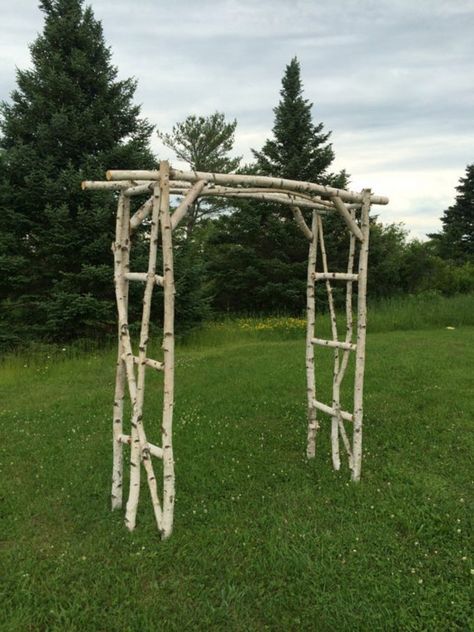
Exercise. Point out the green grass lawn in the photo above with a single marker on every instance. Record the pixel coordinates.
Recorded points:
(263, 539)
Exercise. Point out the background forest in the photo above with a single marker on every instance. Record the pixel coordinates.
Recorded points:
(71, 118)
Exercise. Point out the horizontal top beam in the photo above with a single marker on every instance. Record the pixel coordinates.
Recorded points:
(249, 180)
(177, 187)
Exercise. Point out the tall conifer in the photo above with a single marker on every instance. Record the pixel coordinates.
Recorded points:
(299, 149)
(456, 240)
(258, 257)
(69, 119)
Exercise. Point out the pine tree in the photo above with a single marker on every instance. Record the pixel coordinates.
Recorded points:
(69, 119)
(299, 149)
(204, 143)
(456, 241)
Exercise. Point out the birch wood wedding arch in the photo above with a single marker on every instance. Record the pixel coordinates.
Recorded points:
(353, 207)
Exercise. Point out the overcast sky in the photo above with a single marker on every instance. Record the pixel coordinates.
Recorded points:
(392, 79)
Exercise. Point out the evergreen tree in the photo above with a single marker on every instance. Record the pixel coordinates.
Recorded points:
(204, 143)
(456, 241)
(258, 257)
(69, 119)
(299, 149)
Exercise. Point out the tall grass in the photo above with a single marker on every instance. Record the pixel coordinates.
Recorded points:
(404, 313)
(423, 311)
(395, 314)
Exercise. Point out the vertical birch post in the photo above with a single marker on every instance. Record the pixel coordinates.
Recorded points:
(336, 460)
(310, 318)
(136, 386)
(168, 353)
(361, 335)
(345, 353)
(122, 248)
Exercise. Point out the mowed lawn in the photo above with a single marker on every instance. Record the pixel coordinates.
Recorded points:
(263, 539)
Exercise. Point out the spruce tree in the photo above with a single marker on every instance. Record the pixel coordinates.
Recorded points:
(299, 149)
(70, 118)
(456, 241)
(258, 256)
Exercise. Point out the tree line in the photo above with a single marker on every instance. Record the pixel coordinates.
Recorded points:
(70, 118)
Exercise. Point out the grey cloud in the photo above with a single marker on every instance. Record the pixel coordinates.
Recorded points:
(391, 78)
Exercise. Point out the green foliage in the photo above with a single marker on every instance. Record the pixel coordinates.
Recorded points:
(69, 119)
(299, 149)
(204, 142)
(193, 299)
(257, 256)
(387, 249)
(456, 241)
(256, 262)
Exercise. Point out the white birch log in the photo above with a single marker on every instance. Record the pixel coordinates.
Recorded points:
(144, 335)
(154, 450)
(286, 198)
(120, 265)
(329, 410)
(336, 459)
(138, 437)
(259, 181)
(300, 221)
(141, 214)
(251, 180)
(98, 185)
(361, 335)
(310, 318)
(347, 217)
(333, 344)
(142, 277)
(191, 196)
(153, 364)
(139, 189)
(213, 189)
(335, 276)
(147, 187)
(119, 249)
(349, 327)
(168, 353)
